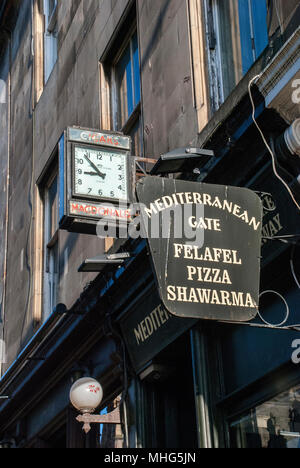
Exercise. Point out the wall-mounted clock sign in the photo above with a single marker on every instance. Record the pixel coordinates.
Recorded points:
(95, 171)
(100, 173)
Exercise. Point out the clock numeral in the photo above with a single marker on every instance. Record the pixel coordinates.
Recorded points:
(100, 192)
(99, 157)
(112, 193)
(80, 161)
(79, 182)
(120, 177)
(120, 167)
(90, 190)
(79, 171)
(120, 188)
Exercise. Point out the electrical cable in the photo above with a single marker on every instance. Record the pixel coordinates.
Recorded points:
(280, 325)
(287, 310)
(283, 239)
(293, 267)
(251, 82)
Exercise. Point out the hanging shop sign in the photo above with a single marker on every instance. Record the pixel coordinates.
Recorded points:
(205, 243)
(281, 216)
(95, 170)
(149, 328)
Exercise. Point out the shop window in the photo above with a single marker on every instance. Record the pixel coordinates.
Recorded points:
(50, 37)
(237, 34)
(167, 400)
(51, 257)
(274, 424)
(126, 89)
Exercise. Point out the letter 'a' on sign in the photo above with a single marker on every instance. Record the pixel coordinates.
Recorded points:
(205, 244)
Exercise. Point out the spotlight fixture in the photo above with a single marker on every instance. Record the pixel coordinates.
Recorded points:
(287, 148)
(184, 160)
(96, 264)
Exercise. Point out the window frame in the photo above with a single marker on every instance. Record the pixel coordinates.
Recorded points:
(251, 411)
(50, 38)
(136, 115)
(50, 247)
(115, 101)
(220, 88)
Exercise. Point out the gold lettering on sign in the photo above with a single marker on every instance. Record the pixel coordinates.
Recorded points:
(151, 324)
(188, 198)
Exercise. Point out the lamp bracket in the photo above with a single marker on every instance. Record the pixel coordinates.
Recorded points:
(88, 419)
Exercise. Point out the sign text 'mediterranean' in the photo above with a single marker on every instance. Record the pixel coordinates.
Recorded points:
(196, 198)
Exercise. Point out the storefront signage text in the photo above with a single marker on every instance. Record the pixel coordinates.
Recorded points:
(218, 278)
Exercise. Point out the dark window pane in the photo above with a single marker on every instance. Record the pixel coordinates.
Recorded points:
(275, 424)
(246, 35)
(52, 208)
(136, 70)
(242, 37)
(259, 13)
(124, 85)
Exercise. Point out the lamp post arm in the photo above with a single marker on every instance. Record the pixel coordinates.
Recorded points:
(88, 419)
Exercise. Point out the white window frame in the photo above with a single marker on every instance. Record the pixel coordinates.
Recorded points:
(214, 57)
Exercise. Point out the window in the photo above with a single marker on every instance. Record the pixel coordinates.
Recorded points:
(275, 424)
(50, 37)
(51, 257)
(127, 93)
(237, 35)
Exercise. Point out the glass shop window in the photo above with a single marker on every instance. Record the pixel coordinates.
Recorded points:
(275, 424)
(238, 34)
(127, 111)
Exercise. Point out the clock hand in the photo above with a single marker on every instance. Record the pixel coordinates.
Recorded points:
(91, 173)
(100, 174)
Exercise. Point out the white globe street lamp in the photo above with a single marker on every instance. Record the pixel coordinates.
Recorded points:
(86, 395)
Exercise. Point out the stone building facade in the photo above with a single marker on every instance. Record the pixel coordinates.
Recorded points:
(171, 74)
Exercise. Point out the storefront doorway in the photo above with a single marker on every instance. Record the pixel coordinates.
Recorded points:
(170, 414)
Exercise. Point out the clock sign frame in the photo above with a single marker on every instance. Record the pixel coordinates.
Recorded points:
(96, 171)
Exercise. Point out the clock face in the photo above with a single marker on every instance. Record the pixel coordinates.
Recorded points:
(100, 173)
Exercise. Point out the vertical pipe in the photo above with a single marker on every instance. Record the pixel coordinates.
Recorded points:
(201, 386)
(9, 37)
